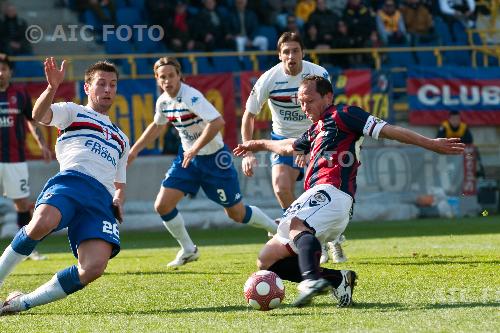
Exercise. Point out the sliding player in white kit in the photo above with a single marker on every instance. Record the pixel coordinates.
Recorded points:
(87, 194)
(279, 86)
(203, 159)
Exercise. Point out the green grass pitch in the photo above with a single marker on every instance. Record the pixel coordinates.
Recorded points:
(431, 275)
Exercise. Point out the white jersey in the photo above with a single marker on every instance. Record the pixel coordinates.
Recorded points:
(90, 143)
(189, 112)
(280, 91)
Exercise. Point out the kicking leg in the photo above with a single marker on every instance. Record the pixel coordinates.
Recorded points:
(93, 257)
(45, 219)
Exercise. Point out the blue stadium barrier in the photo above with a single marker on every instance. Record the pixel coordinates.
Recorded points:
(29, 69)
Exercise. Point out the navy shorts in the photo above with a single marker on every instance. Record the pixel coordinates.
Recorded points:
(287, 160)
(86, 208)
(214, 173)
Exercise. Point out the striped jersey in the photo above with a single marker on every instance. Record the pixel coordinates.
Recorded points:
(280, 91)
(189, 112)
(90, 143)
(334, 143)
(15, 109)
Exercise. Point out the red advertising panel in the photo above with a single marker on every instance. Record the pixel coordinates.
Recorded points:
(219, 90)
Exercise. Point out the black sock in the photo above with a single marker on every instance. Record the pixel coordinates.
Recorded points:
(23, 218)
(309, 254)
(332, 275)
(287, 269)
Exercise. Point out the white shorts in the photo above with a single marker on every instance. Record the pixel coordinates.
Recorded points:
(324, 208)
(14, 178)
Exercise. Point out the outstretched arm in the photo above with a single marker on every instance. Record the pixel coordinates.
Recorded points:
(41, 111)
(281, 147)
(451, 146)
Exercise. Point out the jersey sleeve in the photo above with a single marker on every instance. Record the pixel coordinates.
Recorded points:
(63, 114)
(199, 105)
(258, 96)
(361, 122)
(159, 118)
(303, 144)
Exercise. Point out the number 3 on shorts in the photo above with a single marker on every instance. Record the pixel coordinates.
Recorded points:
(222, 195)
(110, 228)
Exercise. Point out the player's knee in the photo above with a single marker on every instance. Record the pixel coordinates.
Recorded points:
(41, 225)
(92, 271)
(236, 215)
(162, 208)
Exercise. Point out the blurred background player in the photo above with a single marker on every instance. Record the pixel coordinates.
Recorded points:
(278, 86)
(15, 114)
(203, 159)
(322, 212)
(85, 196)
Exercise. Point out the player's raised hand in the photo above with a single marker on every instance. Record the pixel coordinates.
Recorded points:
(54, 75)
(449, 146)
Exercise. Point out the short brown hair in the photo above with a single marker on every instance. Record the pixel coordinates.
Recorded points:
(104, 66)
(290, 37)
(163, 61)
(323, 86)
(4, 59)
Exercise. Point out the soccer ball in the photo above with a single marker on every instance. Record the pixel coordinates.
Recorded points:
(264, 290)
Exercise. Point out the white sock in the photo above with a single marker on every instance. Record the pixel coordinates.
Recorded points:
(46, 293)
(261, 220)
(8, 261)
(177, 229)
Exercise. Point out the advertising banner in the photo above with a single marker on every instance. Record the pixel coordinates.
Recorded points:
(433, 92)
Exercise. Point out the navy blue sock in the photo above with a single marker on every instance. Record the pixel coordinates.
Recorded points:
(69, 280)
(22, 243)
(23, 218)
(287, 269)
(167, 217)
(309, 254)
(248, 214)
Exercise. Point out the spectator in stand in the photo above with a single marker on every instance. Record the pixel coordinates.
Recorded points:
(360, 22)
(104, 10)
(12, 33)
(454, 127)
(390, 24)
(343, 40)
(458, 11)
(158, 10)
(178, 32)
(292, 25)
(209, 29)
(325, 21)
(418, 21)
(287, 9)
(304, 9)
(242, 28)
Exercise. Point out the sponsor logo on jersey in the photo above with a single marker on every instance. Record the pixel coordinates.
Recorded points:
(7, 121)
(281, 82)
(189, 136)
(194, 100)
(100, 150)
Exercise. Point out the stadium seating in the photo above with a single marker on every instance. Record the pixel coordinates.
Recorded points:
(29, 69)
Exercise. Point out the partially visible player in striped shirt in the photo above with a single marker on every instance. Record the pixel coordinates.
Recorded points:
(15, 115)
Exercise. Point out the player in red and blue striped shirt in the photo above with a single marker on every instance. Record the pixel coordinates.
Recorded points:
(322, 212)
